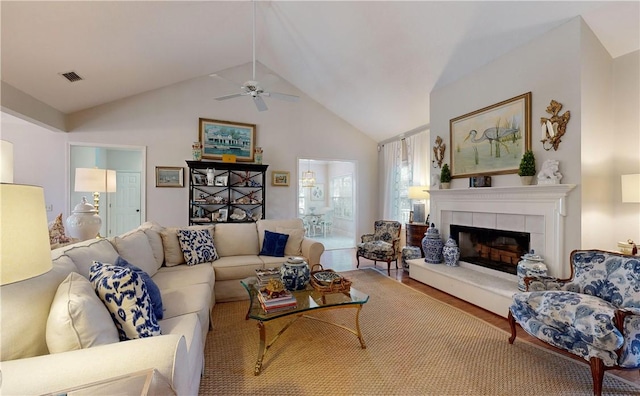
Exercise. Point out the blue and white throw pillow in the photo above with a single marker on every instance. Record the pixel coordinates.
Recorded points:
(125, 295)
(197, 246)
(274, 244)
(152, 288)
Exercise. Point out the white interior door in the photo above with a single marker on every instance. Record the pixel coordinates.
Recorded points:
(124, 209)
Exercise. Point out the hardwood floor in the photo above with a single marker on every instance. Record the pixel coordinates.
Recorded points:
(345, 260)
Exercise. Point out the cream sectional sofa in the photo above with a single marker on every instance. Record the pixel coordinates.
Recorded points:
(188, 295)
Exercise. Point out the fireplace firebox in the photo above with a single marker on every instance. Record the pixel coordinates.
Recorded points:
(499, 250)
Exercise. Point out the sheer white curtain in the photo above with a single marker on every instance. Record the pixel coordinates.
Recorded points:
(391, 172)
(405, 163)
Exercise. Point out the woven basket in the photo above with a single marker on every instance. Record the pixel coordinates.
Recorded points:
(338, 285)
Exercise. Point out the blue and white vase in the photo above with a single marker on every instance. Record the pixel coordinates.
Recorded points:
(432, 246)
(530, 265)
(295, 273)
(451, 252)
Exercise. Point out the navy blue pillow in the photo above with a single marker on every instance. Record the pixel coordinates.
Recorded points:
(152, 288)
(273, 244)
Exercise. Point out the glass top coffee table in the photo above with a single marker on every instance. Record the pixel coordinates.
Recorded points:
(307, 301)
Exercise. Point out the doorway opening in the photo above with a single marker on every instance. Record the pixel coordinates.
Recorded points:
(124, 209)
(326, 205)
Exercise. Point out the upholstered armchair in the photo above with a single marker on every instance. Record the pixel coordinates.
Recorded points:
(382, 245)
(595, 314)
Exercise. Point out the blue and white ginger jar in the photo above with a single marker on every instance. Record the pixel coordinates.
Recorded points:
(295, 273)
(530, 265)
(451, 252)
(432, 246)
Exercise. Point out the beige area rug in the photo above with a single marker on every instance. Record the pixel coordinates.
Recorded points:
(416, 345)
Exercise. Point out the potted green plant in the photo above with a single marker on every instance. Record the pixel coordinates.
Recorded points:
(445, 177)
(527, 167)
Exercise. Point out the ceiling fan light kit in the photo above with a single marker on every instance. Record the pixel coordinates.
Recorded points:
(252, 87)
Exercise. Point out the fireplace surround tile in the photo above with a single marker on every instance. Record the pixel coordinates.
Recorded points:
(534, 224)
(461, 218)
(484, 220)
(510, 222)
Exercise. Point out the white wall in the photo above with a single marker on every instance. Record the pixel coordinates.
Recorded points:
(166, 122)
(39, 157)
(602, 140)
(549, 68)
(626, 124)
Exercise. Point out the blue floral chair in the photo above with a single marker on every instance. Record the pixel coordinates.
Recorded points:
(595, 314)
(382, 245)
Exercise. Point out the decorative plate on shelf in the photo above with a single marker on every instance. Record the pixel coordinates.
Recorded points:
(326, 277)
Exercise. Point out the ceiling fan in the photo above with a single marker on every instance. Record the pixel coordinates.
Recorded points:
(252, 87)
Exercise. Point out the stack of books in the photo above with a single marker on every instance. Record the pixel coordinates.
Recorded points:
(284, 300)
(265, 275)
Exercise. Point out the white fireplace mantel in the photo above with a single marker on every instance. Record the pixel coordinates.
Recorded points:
(546, 201)
(539, 210)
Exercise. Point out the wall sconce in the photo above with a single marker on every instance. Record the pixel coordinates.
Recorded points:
(554, 128)
(421, 194)
(438, 152)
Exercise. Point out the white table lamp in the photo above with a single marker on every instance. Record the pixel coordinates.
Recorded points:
(631, 188)
(24, 233)
(85, 222)
(420, 194)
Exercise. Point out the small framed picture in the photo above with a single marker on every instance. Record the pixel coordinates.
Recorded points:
(222, 180)
(198, 179)
(280, 178)
(222, 214)
(169, 176)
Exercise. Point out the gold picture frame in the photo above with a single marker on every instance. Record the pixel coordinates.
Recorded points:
(280, 178)
(491, 140)
(169, 176)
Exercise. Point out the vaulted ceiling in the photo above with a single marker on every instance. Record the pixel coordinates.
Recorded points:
(371, 63)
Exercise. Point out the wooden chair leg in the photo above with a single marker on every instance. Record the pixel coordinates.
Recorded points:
(358, 260)
(512, 324)
(597, 373)
(388, 268)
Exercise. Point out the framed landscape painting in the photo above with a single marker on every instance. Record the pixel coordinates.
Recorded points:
(492, 140)
(225, 137)
(169, 176)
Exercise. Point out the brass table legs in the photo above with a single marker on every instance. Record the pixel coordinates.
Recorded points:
(264, 346)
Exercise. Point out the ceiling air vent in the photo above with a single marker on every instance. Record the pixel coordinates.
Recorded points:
(71, 76)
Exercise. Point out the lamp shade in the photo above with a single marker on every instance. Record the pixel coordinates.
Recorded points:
(6, 158)
(24, 233)
(631, 188)
(95, 180)
(418, 192)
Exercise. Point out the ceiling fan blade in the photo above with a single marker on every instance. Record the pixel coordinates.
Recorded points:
(230, 96)
(259, 103)
(281, 96)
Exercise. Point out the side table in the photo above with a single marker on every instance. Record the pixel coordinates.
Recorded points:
(415, 233)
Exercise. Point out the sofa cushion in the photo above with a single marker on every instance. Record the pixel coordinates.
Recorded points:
(153, 230)
(78, 319)
(294, 243)
(236, 267)
(83, 254)
(172, 251)
(197, 246)
(183, 275)
(273, 224)
(136, 249)
(189, 299)
(152, 288)
(125, 295)
(237, 239)
(274, 244)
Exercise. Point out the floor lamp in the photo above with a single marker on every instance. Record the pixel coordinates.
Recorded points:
(24, 233)
(630, 194)
(85, 222)
(420, 194)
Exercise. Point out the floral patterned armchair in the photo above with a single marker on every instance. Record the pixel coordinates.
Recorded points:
(382, 245)
(595, 314)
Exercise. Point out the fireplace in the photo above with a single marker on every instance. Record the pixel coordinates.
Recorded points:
(534, 212)
(496, 249)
